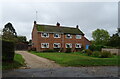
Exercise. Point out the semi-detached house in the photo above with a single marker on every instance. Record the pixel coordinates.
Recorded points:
(46, 37)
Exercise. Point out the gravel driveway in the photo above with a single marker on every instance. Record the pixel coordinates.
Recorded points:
(33, 61)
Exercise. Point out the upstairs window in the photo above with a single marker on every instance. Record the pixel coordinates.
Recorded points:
(44, 45)
(68, 45)
(56, 35)
(78, 36)
(68, 36)
(46, 35)
(56, 45)
(77, 45)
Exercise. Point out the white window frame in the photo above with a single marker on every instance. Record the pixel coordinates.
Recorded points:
(58, 35)
(69, 44)
(70, 36)
(77, 36)
(44, 36)
(44, 47)
(78, 44)
(56, 47)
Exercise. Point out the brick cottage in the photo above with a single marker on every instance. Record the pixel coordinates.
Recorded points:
(45, 37)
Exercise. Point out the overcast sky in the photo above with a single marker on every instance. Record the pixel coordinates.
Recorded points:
(88, 15)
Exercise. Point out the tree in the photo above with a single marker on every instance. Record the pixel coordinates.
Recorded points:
(114, 40)
(9, 32)
(118, 31)
(100, 37)
(21, 38)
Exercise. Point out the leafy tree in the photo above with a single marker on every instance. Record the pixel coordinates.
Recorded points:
(21, 38)
(9, 32)
(100, 37)
(118, 31)
(114, 40)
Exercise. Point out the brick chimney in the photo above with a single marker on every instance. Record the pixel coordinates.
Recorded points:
(58, 24)
(77, 26)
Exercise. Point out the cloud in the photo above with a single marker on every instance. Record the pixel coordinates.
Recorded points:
(88, 15)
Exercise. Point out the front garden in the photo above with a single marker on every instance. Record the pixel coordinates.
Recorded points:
(81, 58)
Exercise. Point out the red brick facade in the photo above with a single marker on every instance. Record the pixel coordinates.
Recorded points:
(37, 40)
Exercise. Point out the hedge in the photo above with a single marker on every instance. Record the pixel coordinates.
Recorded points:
(7, 50)
(96, 47)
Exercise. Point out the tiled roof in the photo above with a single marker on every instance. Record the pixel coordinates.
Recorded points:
(60, 29)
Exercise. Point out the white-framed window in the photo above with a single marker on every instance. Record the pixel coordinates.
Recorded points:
(56, 45)
(68, 36)
(77, 45)
(56, 35)
(46, 35)
(44, 45)
(68, 45)
(78, 36)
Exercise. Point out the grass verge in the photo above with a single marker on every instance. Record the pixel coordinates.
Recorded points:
(78, 59)
(18, 62)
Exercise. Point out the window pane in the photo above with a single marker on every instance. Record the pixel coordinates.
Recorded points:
(78, 36)
(56, 35)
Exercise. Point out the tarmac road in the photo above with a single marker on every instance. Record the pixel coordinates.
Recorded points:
(101, 71)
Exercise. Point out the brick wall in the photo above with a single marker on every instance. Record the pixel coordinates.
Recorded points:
(62, 40)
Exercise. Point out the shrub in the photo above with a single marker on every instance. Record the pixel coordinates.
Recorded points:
(87, 51)
(57, 49)
(96, 47)
(8, 50)
(105, 54)
(49, 50)
(83, 51)
(68, 50)
(114, 53)
(96, 54)
(32, 49)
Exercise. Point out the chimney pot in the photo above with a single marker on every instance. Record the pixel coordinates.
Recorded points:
(35, 22)
(58, 24)
(77, 26)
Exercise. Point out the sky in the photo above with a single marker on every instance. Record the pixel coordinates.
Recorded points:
(88, 15)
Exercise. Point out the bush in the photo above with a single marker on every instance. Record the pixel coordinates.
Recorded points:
(83, 51)
(105, 54)
(87, 51)
(49, 50)
(8, 50)
(57, 49)
(68, 50)
(96, 54)
(32, 49)
(96, 47)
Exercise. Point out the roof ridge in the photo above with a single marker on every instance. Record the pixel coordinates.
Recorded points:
(55, 26)
(63, 29)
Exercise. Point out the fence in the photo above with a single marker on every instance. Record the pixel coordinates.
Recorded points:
(112, 50)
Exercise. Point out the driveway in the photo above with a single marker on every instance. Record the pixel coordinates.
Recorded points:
(33, 61)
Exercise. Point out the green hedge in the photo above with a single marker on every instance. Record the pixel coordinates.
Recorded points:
(68, 50)
(7, 50)
(96, 47)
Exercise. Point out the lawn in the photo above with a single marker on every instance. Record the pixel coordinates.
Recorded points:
(78, 59)
(18, 62)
